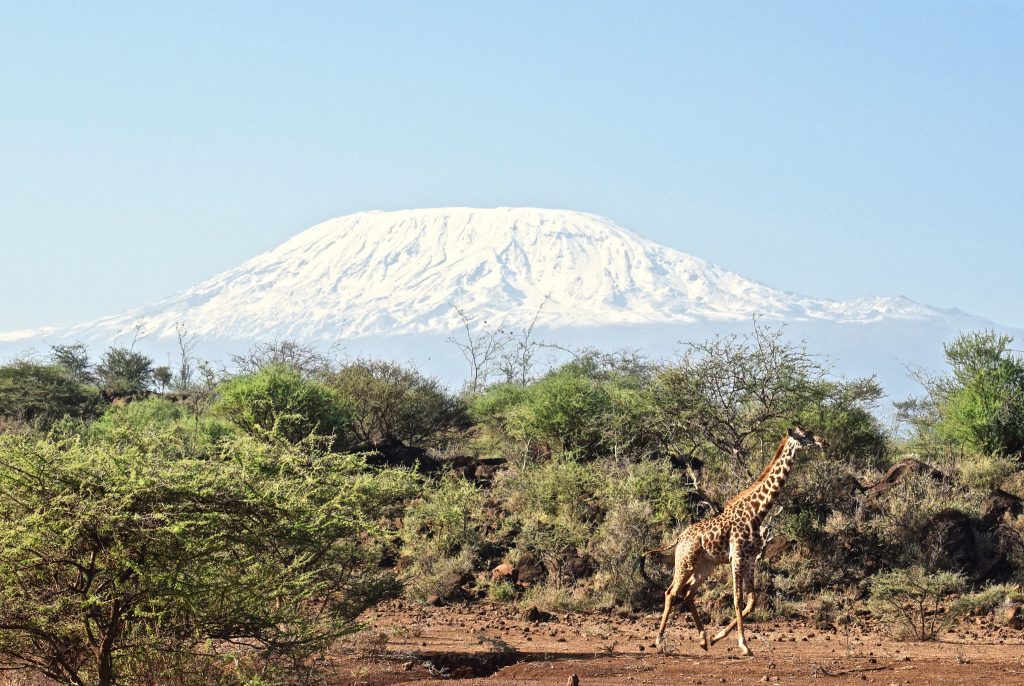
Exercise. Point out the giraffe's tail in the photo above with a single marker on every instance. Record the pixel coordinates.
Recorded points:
(638, 566)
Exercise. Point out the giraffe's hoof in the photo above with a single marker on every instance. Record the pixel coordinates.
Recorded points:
(746, 651)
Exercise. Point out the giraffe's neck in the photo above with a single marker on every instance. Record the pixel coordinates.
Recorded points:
(763, 493)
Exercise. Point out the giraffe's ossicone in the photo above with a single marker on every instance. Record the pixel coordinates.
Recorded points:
(733, 537)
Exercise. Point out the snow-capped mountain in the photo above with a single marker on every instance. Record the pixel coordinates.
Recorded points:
(389, 283)
(386, 273)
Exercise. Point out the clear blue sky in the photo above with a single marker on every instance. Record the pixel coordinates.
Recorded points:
(829, 148)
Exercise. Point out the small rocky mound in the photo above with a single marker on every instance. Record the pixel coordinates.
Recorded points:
(899, 471)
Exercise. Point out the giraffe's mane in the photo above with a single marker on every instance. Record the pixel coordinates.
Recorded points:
(760, 477)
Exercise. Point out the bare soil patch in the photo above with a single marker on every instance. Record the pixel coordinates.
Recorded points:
(482, 643)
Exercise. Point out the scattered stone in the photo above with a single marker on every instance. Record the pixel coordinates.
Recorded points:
(535, 614)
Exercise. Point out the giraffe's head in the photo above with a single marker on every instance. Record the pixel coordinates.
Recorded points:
(805, 439)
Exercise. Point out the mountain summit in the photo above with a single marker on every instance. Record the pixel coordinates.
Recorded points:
(389, 273)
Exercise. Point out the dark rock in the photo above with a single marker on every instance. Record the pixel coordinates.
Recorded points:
(484, 472)
(529, 570)
(999, 503)
(580, 566)
(899, 471)
(391, 453)
(954, 533)
(535, 614)
(476, 469)
(777, 547)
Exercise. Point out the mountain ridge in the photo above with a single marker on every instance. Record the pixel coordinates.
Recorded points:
(378, 273)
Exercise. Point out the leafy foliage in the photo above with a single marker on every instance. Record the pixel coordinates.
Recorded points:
(554, 508)
(124, 371)
(42, 394)
(109, 555)
(733, 394)
(981, 403)
(911, 600)
(74, 360)
(277, 402)
(389, 402)
(441, 535)
(592, 406)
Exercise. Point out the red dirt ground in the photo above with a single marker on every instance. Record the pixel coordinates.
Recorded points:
(484, 643)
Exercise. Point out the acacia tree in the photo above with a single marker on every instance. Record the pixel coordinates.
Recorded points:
(306, 360)
(978, 404)
(74, 360)
(42, 394)
(277, 402)
(483, 349)
(389, 402)
(110, 556)
(123, 370)
(731, 393)
(981, 402)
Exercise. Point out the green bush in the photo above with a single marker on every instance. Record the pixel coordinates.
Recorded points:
(493, 407)
(74, 360)
(910, 602)
(122, 371)
(277, 403)
(980, 404)
(987, 472)
(42, 394)
(842, 411)
(553, 507)
(593, 406)
(562, 409)
(643, 504)
(161, 427)
(502, 592)
(388, 402)
(987, 600)
(441, 535)
(110, 556)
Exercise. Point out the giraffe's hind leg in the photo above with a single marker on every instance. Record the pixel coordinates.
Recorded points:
(683, 590)
(685, 580)
(696, 620)
(681, 576)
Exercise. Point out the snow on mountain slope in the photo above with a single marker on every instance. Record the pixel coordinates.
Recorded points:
(389, 273)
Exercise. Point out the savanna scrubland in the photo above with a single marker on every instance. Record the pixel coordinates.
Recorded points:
(192, 524)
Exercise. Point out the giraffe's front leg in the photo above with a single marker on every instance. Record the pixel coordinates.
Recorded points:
(737, 597)
(751, 593)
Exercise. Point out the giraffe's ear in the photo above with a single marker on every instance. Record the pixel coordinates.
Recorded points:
(799, 428)
(790, 432)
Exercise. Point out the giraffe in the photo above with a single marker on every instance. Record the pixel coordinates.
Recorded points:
(734, 536)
